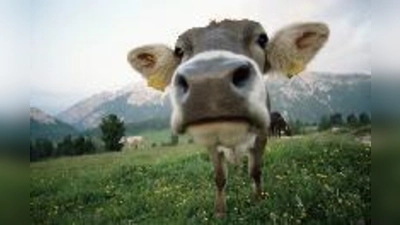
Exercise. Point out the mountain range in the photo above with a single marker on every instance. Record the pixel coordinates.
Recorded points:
(311, 96)
(134, 103)
(306, 98)
(43, 125)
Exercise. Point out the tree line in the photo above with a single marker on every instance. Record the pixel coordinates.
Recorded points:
(68, 146)
(112, 128)
(337, 119)
(326, 122)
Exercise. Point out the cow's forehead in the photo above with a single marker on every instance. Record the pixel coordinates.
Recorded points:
(222, 35)
(236, 26)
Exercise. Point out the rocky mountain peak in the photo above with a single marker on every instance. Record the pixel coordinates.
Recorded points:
(40, 116)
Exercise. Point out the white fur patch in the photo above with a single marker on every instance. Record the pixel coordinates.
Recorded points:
(215, 54)
(235, 154)
(231, 138)
(228, 134)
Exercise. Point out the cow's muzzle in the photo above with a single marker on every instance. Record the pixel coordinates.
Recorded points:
(215, 89)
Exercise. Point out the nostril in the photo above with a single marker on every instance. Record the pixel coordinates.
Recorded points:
(181, 83)
(241, 76)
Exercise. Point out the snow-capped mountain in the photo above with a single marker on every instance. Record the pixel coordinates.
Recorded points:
(133, 103)
(310, 96)
(307, 98)
(43, 125)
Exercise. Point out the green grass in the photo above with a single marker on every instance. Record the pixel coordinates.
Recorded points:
(318, 179)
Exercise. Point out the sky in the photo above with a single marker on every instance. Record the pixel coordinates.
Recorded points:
(78, 48)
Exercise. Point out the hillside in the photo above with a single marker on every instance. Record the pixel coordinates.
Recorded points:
(306, 98)
(43, 125)
(135, 103)
(321, 179)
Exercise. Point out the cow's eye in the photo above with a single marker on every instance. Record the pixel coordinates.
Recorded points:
(262, 40)
(179, 52)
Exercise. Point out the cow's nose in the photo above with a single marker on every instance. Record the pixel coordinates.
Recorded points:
(241, 76)
(234, 75)
(182, 83)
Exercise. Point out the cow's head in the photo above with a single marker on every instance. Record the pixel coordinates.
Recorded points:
(215, 74)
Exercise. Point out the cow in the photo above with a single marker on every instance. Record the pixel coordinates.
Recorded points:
(133, 141)
(278, 125)
(214, 76)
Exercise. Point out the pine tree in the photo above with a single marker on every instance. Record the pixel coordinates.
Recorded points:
(324, 123)
(113, 130)
(352, 120)
(364, 119)
(66, 146)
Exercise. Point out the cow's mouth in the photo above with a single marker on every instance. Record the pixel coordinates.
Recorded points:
(221, 119)
(223, 129)
(216, 120)
(226, 131)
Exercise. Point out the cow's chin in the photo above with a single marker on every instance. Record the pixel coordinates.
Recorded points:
(228, 134)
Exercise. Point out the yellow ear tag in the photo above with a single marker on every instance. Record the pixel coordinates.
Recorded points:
(155, 81)
(295, 68)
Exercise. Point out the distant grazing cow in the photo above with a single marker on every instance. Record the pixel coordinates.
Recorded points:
(279, 125)
(133, 141)
(216, 87)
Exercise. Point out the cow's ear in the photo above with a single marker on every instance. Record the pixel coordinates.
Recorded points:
(293, 47)
(156, 63)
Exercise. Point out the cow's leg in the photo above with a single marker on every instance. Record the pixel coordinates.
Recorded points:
(255, 164)
(220, 181)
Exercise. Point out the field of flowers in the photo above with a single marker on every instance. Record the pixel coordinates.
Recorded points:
(316, 179)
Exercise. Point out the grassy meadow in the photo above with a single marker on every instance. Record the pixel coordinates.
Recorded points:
(315, 179)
